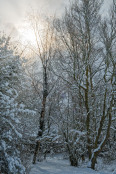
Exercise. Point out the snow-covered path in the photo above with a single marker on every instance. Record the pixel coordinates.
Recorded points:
(60, 166)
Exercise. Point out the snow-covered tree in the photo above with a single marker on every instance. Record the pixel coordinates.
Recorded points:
(10, 71)
(86, 60)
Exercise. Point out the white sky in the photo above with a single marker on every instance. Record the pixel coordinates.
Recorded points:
(13, 11)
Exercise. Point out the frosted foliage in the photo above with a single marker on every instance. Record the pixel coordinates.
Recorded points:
(9, 68)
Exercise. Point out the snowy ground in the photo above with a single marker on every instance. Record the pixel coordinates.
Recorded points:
(58, 165)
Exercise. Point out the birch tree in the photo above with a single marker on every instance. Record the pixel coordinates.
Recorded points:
(88, 66)
(78, 32)
(108, 39)
(45, 53)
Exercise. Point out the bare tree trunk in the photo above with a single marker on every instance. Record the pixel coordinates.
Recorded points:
(72, 156)
(98, 150)
(42, 116)
(88, 114)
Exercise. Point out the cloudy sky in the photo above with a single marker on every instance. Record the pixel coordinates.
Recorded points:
(12, 12)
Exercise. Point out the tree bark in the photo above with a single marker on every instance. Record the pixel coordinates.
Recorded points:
(98, 150)
(88, 114)
(42, 115)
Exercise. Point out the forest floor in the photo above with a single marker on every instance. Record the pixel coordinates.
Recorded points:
(58, 165)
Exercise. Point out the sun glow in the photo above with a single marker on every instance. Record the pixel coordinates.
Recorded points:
(27, 35)
(37, 35)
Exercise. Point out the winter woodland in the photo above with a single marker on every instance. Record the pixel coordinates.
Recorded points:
(60, 96)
